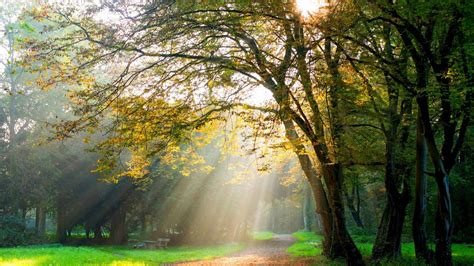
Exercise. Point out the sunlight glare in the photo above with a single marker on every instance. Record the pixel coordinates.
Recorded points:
(309, 7)
(259, 96)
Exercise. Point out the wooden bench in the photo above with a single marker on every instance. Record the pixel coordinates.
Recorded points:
(149, 244)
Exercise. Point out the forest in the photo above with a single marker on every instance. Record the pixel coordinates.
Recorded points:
(236, 132)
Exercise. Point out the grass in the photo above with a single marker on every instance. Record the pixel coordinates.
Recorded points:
(67, 255)
(308, 245)
(263, 235)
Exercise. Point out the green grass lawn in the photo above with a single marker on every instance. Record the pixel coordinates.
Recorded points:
(67, 255)
(263, 235)
(308, 245)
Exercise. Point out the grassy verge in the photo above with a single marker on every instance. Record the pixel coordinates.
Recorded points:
(263, 235)
(308, 244)
(66, 255)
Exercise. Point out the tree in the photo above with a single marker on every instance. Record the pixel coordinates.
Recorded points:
(432, 44)
(263, 49)
(378, 61)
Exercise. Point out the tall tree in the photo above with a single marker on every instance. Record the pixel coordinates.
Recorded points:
(380, 62)
(235, 45)
(432, 40)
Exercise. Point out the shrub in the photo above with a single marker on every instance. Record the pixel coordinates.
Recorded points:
(12, 231)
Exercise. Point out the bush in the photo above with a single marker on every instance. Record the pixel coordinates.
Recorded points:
(362, 235)
(12, 231)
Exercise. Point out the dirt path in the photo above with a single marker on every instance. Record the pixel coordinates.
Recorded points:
(271, 252)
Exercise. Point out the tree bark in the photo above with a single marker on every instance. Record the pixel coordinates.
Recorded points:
(443, 221)
(307, 220)
(314, 130)
(418, 224)
(24, 210)
(388, 241)
(355, 212)
(444, 161)
(88, 230)
(118, 228)
(143, 225)
(322, 204)
(40, 221)
(61, 221)
(98, 233)
(333, 178)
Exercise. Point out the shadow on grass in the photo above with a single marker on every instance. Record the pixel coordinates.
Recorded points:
(308, 244)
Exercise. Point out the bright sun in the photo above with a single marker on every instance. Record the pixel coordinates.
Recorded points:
(309, 7)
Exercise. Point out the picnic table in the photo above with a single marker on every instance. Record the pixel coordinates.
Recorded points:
(150, 244)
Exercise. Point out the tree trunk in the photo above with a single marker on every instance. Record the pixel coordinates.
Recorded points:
(143, 225)
(98, 232)
(118, 228)
(88, 230)
(443, 221)
(330, 245)
(40, 221)
(61, 221)
(389, 233)
(322, 205)
(418, 225)
(352, 209)
(306, 219)
(24, 211)
(333, 178)
(388, 241)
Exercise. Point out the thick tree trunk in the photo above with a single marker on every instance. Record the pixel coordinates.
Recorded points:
(40, 221)
(61, 221)
(118, 228)
(388, 241)
(333, 177)
(330, 245)
(341, 242)
(389, 233)
(418, 225)
(443, 221)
